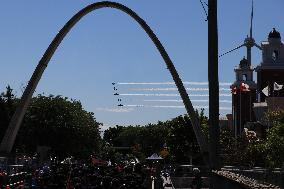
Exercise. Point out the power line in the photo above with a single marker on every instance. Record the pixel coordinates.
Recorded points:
(204, 9)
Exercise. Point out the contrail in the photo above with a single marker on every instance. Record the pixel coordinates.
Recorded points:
(146, 83)
(158, 106)
(136, 94)
(225, 108)
(173, 100)
(153, 94)
(175, 89)
(170, 83)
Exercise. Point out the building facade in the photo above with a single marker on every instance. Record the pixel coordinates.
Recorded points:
(243, 96)
(250, 99)
(270, 72)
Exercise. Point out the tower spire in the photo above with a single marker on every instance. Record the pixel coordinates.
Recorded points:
(249, 41)
(251, 18)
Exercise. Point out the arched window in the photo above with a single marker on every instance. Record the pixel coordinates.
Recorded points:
(275, 55)
(244, 77)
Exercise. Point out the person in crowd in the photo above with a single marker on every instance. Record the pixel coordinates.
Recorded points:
(197, 180)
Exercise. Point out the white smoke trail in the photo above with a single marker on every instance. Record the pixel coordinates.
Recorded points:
(175, 89)
(225, 108)
(170, 83)
(146, 83)
(137, 94)
(153, 94)
(226, 101)
(160, 106)
(173, 100)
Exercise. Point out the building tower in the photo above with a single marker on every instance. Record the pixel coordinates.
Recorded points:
(270, 73)
(243, 96)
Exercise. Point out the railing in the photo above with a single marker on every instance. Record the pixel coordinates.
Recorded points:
(227, 179)
(273, 176)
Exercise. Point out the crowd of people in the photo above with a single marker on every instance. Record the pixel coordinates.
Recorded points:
(91, 174)
(82, 175)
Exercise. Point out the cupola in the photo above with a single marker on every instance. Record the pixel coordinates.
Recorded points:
(244, 64)
(274, 34)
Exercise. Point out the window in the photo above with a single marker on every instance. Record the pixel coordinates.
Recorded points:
(244, 77)
(275, 55)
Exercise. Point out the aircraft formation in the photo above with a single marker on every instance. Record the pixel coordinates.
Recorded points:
(193, 91)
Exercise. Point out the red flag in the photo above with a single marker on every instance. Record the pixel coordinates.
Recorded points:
(233, 89)
(244, 87)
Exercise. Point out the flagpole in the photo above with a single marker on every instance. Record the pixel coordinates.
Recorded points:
(249, 106)
(235, 120)
(240, 110)
(233, 114)
(273, 89)
(233, 109)
(273, 99)
(269, 89)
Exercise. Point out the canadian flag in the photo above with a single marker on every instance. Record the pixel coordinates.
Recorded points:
(244, 87)
(233, 89)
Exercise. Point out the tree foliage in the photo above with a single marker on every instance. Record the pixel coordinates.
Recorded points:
(181, 140)
(61, 124)
(274, 145)
(246, 151)
(7, 107)
(52, 121)
(176, 135)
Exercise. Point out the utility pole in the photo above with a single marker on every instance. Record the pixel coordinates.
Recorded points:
(213, 81)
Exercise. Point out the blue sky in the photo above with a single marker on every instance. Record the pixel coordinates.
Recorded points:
(108, 46)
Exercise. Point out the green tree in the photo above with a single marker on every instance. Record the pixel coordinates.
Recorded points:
(274, 145)
(253, 151)
(7, 107)
(61, 124)
(181, 140)
(177, 134)
(241, 150)
(111, 134)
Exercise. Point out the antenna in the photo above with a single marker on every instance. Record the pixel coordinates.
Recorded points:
(249, 41)
(251, 17)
